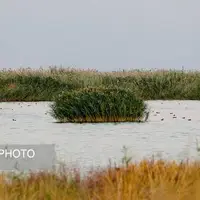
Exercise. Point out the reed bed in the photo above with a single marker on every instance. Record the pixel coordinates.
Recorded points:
(45, 84)
(146, 180)
(98, 105)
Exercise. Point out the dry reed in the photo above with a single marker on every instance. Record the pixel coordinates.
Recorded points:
(147, 180)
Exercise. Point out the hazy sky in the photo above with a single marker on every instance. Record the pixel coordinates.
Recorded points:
(101, 34)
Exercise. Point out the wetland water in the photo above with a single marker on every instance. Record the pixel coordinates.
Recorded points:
(166, 133)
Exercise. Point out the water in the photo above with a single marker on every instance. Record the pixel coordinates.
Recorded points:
(87, 145)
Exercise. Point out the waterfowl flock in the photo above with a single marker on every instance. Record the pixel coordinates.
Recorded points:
(171, 113)
(156, 113)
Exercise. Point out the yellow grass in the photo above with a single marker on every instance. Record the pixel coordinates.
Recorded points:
(103, 120)
(148, 180)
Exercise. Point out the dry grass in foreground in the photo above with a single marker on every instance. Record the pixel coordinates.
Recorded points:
(149, 180)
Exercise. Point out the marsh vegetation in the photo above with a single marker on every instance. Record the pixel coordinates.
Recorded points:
(44, 85)
(90, 96)
(98, 105)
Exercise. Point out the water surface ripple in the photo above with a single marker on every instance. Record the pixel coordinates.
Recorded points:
(171, 132)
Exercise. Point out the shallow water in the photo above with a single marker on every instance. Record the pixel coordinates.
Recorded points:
(89, 145)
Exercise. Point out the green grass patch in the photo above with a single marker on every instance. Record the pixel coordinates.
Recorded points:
(98, 105)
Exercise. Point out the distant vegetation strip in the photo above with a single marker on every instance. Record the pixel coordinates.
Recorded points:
(44, 85)
(98, 105)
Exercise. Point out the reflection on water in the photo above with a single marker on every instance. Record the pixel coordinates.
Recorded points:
(170, 132)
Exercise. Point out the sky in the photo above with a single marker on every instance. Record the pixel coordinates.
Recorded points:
(105, 35)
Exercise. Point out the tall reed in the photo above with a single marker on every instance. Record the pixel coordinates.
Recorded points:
(44, 84)
(148, 179)
(98, 105)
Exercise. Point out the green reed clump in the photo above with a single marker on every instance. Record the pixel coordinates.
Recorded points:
(98, 105)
